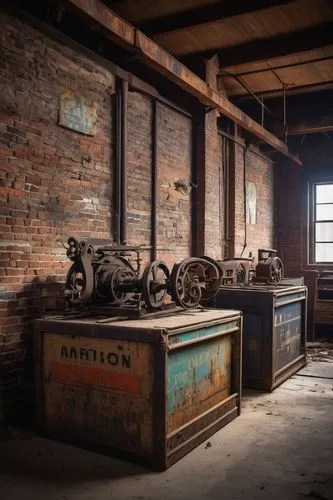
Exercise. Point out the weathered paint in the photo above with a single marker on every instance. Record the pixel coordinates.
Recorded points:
(77, 113)
(201, 333)
(110, 384)
(274, 331)
(100, 388)
(288, 325)
(199, 377)
(287, 298)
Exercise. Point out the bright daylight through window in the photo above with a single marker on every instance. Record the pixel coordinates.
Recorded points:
(323, 219)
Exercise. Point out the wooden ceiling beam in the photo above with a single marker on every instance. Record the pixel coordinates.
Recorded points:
(205, 14)
(294, 90)
(319, 125)
(267, 69)
(267, 48)
(100, 17)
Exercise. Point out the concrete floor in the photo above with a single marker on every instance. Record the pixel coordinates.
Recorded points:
(281, 447)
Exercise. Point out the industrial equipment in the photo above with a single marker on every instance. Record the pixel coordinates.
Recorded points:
(236, 271)
(269, 268)
(240, 270)
(106, 279)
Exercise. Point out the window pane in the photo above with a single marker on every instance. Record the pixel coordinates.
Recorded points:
(324, 231)
(324, 193)
(324, 212)
(324, 252)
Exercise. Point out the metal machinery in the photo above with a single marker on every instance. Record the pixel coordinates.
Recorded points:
(106, 278)
(269, 269)
(236, 271)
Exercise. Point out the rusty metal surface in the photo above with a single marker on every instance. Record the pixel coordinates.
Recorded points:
(103, 280)
(101, 389)
(77, 113)
(269, 268)
(131, 38)
(199, 378)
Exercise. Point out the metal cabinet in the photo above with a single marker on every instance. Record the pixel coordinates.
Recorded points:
(274, 335)
(153, 388)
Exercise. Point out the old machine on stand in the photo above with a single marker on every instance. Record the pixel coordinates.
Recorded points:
(274, 335)
(106, 280)
(137, 364)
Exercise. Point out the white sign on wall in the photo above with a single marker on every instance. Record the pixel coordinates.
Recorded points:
(251, 203)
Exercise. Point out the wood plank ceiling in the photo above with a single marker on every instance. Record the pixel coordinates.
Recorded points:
(262, 44)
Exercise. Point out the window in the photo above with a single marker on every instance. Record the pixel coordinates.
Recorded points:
(323, 223)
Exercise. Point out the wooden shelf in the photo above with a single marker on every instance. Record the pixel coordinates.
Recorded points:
(323, 307)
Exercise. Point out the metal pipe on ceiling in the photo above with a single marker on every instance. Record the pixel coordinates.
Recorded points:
(247, 88)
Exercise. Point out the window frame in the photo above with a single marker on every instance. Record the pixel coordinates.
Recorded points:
(312, 224)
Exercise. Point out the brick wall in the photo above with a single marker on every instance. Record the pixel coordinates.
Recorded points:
(214, 213)
(139, 132)
(260, 171)
(55, 183)
(174, 202)
(214, 195)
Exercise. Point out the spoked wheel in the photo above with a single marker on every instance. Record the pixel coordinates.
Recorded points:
(155, 280)
(213, 279)
(277, 270)
(187, 281)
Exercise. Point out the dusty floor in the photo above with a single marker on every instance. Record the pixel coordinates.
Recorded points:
(281, 447)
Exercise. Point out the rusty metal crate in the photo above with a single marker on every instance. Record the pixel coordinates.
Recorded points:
(153, 388)
(274, 335)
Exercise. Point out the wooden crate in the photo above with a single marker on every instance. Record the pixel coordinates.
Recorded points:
(153, 388)
(274, 337)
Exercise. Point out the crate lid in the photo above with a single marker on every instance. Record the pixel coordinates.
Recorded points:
(180, 318)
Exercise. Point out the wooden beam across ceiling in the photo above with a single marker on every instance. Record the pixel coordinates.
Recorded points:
(205, 14)
(314, 126)
(294, 90)
(121, 32)
(267, 48)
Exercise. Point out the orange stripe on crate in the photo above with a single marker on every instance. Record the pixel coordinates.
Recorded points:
(96, 377)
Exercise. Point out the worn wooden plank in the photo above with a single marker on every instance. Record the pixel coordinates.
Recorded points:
(205, 14)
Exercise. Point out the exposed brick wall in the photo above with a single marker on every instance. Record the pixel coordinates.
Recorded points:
(288, 227)
(173, 161)
(173, 165)
(261, 172)
(139, 132)
(53, 183)
(214, 201)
